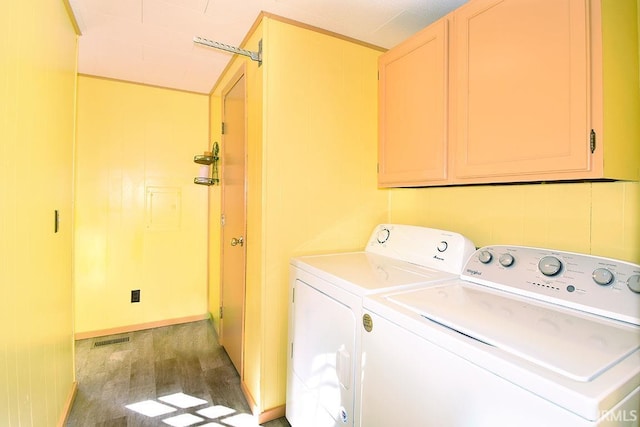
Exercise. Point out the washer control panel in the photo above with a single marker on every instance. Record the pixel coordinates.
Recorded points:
(589, 283)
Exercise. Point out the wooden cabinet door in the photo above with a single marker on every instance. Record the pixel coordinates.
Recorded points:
(413, 110)
(521, 77)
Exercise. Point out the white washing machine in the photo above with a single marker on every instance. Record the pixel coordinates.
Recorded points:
(326, 291)
(525, 337)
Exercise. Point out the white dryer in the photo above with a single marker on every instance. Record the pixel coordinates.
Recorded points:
(525, 337)
(323, 375)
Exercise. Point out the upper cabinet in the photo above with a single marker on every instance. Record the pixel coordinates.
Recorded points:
(413, 98)
(521, 89)
(526, 85)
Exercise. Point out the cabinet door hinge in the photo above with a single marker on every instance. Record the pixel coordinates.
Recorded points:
(221, 310)
(293, 295)
(592, 141)
(222, 128)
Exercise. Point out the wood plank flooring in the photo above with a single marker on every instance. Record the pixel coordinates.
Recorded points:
(152, 364)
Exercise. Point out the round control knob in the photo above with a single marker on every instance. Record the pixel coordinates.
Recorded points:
(506, 260)
(442, 246)
(383, 235)
(485, 257)
(602, 276)
(634, 283)
(550, 266)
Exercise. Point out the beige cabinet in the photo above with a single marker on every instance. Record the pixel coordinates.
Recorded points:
(413, 117)
(538, 91)
(521, 97)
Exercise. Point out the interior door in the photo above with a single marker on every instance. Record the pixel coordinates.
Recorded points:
(234, 219)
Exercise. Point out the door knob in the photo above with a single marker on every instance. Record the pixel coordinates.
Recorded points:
(237, 241)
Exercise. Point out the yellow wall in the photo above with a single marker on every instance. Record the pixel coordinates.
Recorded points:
(621, 88)
(311, 174)
(597, 218)
(141, 223)
(37, 87)
(319, 165)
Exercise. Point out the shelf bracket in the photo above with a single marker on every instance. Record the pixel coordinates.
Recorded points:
(255, 56)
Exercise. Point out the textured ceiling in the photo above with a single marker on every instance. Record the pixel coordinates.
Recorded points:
(151, 41)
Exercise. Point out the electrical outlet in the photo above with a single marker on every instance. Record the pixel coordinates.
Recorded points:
(135, 295)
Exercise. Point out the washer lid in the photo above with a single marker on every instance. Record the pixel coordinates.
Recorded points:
(364, 273)
(572, 344)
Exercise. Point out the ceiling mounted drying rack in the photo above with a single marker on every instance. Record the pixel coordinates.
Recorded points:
(255, 56)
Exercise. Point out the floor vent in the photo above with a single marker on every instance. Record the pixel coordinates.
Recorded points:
(110, 341)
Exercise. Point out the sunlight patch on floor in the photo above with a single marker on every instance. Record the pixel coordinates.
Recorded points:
(152, 408)
(241, 420)
(182, 420)
(217, 411)
(182, 400)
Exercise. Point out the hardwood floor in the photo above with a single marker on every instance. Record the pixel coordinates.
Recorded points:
(155, 366)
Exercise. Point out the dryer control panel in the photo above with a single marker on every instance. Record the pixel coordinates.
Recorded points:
(429, 247)
(597, 285)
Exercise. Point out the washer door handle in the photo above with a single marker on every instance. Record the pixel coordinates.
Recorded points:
(343, 367)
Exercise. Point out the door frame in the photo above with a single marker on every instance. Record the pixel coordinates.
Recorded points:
(237, 76)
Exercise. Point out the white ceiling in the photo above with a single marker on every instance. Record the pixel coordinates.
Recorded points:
(151, 41)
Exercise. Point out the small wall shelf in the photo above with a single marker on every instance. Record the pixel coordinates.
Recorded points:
(204, 159)
(202, 180)
(209, 158)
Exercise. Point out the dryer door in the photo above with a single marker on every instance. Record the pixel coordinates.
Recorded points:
(320, 390)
